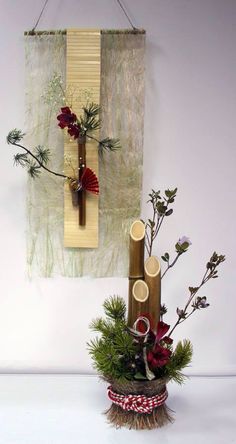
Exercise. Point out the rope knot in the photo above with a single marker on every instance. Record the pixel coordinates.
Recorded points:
(137, 403)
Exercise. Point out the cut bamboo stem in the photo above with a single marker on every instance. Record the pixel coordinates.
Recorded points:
(136, 261)
(140, 295)
(152, 277)
(82, 193)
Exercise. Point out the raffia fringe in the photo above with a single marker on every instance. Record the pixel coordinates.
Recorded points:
(159, 417)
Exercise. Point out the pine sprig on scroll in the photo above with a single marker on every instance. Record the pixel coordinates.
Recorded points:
(36, 160)
(85, 125)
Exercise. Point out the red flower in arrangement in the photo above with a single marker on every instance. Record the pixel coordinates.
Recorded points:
(162, 329)
(159, 355)
(66, 117)
(74, 130)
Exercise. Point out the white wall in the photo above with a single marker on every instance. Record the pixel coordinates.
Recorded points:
(189, 143)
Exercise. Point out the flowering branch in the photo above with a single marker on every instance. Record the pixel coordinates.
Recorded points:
(200, 302)
(160, 211)
(181, 247)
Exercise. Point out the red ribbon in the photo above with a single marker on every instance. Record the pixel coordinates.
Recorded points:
(137, 403)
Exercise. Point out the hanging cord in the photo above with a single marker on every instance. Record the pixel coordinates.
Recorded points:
(45, 4)
(40, 15)
(126, 14)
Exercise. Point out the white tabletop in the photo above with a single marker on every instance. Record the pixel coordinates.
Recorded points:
(68, 409)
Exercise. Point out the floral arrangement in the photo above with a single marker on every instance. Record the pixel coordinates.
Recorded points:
(37, 160)
(80, 129)
(141, 353)
(84, 126)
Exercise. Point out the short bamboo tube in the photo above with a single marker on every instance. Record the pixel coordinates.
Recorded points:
(152, 277)
(136, 261)
(140, 295)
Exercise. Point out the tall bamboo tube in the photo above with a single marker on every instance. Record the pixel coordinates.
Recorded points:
(152, 277)
(82, 193)
(136, 260)
(140, 294)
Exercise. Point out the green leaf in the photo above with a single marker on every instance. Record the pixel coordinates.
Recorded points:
(168, 193)
(178, 248)
(185, 245)
(169, 212)
(164, 259)
(139, 376)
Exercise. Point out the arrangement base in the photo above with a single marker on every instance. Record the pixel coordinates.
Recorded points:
(159, 417)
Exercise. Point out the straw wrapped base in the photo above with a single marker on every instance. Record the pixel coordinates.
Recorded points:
(121, 418)
(139, 421)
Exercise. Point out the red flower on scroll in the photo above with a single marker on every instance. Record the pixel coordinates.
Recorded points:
(66, 117)
(74, 130)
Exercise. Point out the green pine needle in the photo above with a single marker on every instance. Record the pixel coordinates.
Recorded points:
(14, 136)
(21, 159)
(109, 144)
(115, 308)
(43, 154)
(180, 358)
(92, 110)
(34, 171)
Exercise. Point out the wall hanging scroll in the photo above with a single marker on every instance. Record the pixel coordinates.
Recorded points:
(83, 61)
(57, 76)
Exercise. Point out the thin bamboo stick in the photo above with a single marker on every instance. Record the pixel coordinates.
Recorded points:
(82, 193)
(103, 31)
(136, 260)
(152, 277)
(140, 295)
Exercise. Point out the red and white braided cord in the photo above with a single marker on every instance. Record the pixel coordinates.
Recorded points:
(137, 403)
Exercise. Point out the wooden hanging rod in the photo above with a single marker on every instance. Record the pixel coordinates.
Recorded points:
(103, 31)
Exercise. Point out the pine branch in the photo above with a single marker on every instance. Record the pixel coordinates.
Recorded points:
(21, 159)
(108, 144)
(89, 121)
(114, 353)
(181, 358)
(34, 170)
(115, 308)
(92, 110)
(42, 154)
(107, 361)
(38, 160)
(15, 136)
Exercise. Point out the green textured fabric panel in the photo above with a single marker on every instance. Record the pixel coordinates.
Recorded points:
(120, 175)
